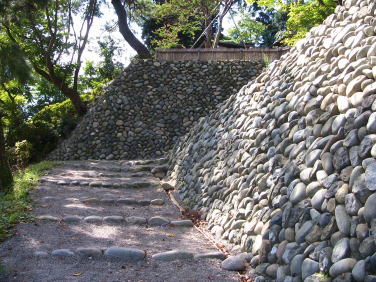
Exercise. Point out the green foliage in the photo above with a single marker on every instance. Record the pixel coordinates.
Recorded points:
(302, 15)
(188, 203)
(57, 116)
(248, 30)
(14, 207)
(52, 35)
(108, 68)
(13, 68)
(42, 94)
(96, 75)
(182, 19)
(46, 27)
(20, 154)
(266, 60)
(39, 113)
(260, 26)
(48, 126)
(270, 3)
(12, 62)
(44, 129)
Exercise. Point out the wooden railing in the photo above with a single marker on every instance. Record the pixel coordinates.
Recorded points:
(221, 54)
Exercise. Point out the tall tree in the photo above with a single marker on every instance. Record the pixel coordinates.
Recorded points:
(247, 30)
(151, 22)
(53, 35)
(202, 20)
(260, 26)
(12, 67)
(225, 8)
(121, 11)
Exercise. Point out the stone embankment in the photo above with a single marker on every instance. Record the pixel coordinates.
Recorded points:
(150, 105)
(285, 170)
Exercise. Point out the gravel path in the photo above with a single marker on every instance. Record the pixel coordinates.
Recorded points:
(108, 221)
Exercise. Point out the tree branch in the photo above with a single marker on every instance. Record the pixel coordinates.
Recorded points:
(128, 35)
(89, 18)
(227, 6)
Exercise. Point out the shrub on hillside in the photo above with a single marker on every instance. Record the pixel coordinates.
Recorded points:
(45, 129)
(20, 154)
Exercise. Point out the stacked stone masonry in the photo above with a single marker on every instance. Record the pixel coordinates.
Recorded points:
(147, 108)
(285, 170)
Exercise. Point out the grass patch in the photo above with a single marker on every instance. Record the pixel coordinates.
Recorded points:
(14, 207)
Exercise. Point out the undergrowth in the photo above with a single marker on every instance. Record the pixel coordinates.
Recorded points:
(15, 205)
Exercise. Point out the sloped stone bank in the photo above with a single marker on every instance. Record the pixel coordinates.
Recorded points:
(285, 169)
(150, 105)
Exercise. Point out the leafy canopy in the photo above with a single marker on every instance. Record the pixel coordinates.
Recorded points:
(247, 30)
(53, 35)
(302, 15)
(183, 19)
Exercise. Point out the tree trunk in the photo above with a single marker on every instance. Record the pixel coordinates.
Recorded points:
(74, 96)
(208, 33)
(218, 34)
(226, 7)
(6, 178)
(69, 92)
(128, 35)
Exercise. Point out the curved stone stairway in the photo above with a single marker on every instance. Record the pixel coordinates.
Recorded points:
(108, 221)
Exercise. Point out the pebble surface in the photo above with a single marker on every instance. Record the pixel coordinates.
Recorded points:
(146, 109)
(285, 169)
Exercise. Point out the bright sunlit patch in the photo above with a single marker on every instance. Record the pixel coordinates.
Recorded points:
(34, 244)
(104, 232)
(75, 200)
(81, 206)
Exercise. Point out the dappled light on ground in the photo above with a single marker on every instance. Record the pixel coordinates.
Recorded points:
(79, 228)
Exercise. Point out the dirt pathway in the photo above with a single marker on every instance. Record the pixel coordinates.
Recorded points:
(108, 221)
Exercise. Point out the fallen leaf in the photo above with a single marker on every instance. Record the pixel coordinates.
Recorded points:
(171, 235)
(77, 274)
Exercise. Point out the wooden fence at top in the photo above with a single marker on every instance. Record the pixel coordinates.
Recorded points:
(221, 54)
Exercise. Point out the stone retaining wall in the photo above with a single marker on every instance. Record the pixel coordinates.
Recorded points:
(150, 105)
(285, 169)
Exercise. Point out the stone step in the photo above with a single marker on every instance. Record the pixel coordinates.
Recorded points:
(102, 184)
(123, 201)
(157, 202)
(97, 174)
(127, 167)
(129, 255)
(157, 161)
(118, 220)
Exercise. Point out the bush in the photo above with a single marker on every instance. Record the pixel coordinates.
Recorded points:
(20, 154)
(44, 130)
